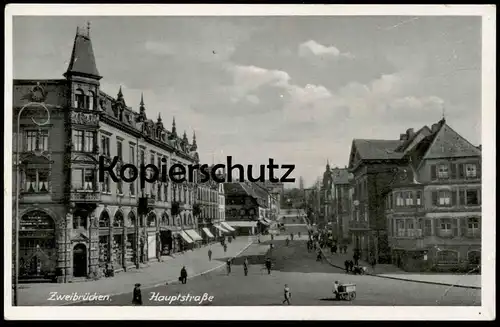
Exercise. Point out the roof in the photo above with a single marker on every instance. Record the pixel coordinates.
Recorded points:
(82, 58)
(406, 144)
(239, 188)
(377, 149)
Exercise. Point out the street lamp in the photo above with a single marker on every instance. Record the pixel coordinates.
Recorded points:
(37, 152)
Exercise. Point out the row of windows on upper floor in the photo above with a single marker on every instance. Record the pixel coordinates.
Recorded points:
(439, 198)
(85, 101)
(447, 171)
(444, 227)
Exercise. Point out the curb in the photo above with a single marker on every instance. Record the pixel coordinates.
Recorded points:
(170, 282)
(405, 279)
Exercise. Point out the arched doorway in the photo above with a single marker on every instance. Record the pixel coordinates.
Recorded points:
(37, 248)
(131, 244)
(80, 260)
(118, 239)
(104, 239)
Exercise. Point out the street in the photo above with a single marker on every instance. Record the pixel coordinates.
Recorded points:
(310, 283)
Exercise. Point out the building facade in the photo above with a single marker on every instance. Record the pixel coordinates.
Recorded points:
(72, 223)
(434, 211)
(246, 209)
(341, 202)
(211, 200)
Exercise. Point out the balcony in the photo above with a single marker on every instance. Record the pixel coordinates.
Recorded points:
(85, 196)
(359, 225)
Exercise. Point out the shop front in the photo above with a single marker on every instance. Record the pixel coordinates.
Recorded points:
(37, 250)
(194, 236)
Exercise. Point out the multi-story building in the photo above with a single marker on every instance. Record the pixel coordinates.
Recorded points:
(275, 191)
(73, 224)
(246, 208)
(341, 203)
(210, 198)
(372, 163)
(434, 207)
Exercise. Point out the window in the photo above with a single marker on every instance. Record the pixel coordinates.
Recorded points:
(91, 101)
(400, 225)
(427, 227)
(419, 198)
(88, 144)
(472, 197)
(119, 150)
(444, 198)
(79, 99)
(37, 181)
(78, 140)
(165, 192)
(143, 158)
(132, 155)
(37, 140)
(447, 257)
(409, 198)
(83, 179)
(105, 148)
(158, 190)
(443, 171)
(399, 199)
(470, 170)
(473, 227)
(445, 228)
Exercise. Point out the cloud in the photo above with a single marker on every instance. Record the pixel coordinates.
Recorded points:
(313, 48)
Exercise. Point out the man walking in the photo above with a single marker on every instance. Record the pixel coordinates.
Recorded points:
(228, 266)
(225, 247)
(287, 295)
(184, 275)
(347, 265)
(268, 266)
(209, 254)
(245, 266)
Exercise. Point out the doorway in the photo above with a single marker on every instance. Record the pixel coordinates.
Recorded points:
(80, 260)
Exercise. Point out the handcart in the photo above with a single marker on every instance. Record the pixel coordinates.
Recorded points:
(346, 292)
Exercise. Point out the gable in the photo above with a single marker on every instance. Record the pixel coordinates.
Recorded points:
(450, 144)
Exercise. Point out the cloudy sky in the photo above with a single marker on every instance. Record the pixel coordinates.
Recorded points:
(296, 89)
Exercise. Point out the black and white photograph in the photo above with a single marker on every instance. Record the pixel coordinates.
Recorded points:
(237, 161)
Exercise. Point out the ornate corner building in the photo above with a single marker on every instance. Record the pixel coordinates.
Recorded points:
(72, 225)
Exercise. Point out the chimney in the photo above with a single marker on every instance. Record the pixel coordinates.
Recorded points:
(403, 137)
(410, 132)
(434, 128)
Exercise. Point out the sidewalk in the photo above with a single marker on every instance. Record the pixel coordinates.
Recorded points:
(157, 273)
(392, 272)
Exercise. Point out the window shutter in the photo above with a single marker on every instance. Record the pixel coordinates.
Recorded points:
(461, 197)
(454, 197)
(478, 169)
(454, 226)
(433, 172)
(461, 171)
(437, 226)
(463, 226)
(453, 171)
(434, 198)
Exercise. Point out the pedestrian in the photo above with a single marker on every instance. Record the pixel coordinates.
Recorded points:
(287, 295)
(345, 249)
(228, 266)
(137, 295)
(225, 247)
(287, 241)
(356, 259)
(272, 237)
(268, 266)
(331, 250)
(351, 265)
(373, 262)
(318, 256)
(335, 248)
(245, 266)
(298, 234)
(347, 265)
(209, 254)
(184, 275)
(291, 236)
(258, 239)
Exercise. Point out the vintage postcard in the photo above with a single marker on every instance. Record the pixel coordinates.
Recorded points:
(239, 161)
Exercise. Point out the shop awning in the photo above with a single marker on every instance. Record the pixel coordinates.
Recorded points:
(185, 236)
(222, 229)
(207, 232)
(242, 223)
(227, 226)
(194, 235)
